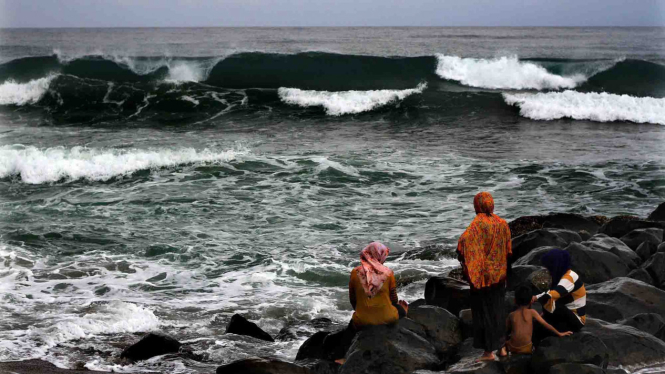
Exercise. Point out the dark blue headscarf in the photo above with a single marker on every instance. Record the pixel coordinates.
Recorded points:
(557, 261)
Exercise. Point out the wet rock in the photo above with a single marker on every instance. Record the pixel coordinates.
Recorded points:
(622, 225)
(389, 350)
(576, 369)
(616, 246)
(658, 214)
(595, 266)
(312, 348)
(641, 275)
(622, 298)
(579, 348)
(524, 244)
(656, 268)
(519, 274)
(651, 323)
(533, 257)
(646, 250)
(568, 236)
(467, 364)
(262, 366)
(239, 325)
(585, 235)
(661, 248)
(466, 322)
(36, 366)
(151, 345)
(418, 303)
(627, 345)
(297, 330)
(636, 237)
(320, 366)
(442, 328)
(448, 293)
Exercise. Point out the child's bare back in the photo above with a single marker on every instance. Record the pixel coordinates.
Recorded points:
(520, 325)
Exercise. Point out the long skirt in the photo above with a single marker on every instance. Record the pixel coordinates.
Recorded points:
(489, 317)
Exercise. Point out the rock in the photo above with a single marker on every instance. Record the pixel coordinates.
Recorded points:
(389, 350)
(448, 293)
(576, 369)
(606, 243)
(595, 266)
(568, 236)
(622, 225)
(442, 328)
(646, 250)
(656, 268)
(621, 298)
(576, 222)
(312, 348)
(151, 345)
(641, 275)
(579, 348)
(297, 330)
(533, 257)
(262, 366)
(320, 366)
(239, 325)
(418, 303)
(38, 366)
(636, 237)
(661, 248)
(466, 322)
(466, 361)
(585, 235)
(519, 274)
(651, 323)
(627, 346)
(658, 214)
(523, 244)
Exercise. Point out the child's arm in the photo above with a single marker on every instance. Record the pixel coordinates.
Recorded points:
(548, 326)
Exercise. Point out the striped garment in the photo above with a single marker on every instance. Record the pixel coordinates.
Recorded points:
(570, 292)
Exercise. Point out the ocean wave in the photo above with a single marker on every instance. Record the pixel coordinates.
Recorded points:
(35, 166)
(346, 102)
(502, 73)
(14, 93)
(601, 107)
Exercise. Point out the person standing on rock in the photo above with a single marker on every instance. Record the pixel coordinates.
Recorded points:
(483, 250)
(565, 303)
(373, 296)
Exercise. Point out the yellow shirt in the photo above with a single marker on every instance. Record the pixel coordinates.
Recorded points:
(375, 311)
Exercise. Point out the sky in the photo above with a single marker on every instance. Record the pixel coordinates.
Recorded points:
(219, 13)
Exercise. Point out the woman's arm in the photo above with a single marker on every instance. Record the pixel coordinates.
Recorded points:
(547, 299)
(548, 326)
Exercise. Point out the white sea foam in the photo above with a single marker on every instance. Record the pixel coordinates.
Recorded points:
(346, 102)
(502, 73)
(14, 93)
(35, 165)
(190, 99)
(182, 71)
(601, 107)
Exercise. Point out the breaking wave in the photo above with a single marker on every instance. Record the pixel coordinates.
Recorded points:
(346, 102)
(502, 73)
(601, 107)
(35, 166)
(14, 93)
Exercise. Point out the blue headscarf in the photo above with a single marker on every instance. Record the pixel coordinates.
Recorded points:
(557, 261)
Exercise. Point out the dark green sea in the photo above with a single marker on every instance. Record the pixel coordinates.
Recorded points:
(165, 179)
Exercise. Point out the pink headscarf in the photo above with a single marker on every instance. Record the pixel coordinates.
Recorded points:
(371, 271)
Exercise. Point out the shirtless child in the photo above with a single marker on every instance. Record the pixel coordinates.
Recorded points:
(519, 325)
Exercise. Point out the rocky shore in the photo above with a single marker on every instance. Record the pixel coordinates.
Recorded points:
(621, 260)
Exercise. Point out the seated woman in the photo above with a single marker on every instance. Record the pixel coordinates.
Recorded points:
(564, 304)
(373, 296)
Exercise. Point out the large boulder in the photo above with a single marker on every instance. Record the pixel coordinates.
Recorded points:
(523, 244)
(595, 266)
(583, 369)
(622, 225)
(535, 277)
(615, 246)
(442, 329)
(627, 346)
(151, 345)
(661, 248)
(389, 350)
(239, 325)
(313, 347)
(262, 366)
(579, 348)
(656, 268)
(658, 214)
(641, 275)
(467, 362)
(621, 298)
(636, 237)
(651, 323)
(448, 293)
(646, 250)
(533, 257)
(568, 236)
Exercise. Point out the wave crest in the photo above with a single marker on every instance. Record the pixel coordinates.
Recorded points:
(502, 73)
(36, 166)
(601, 107)
(14, 93)
(345, 102)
